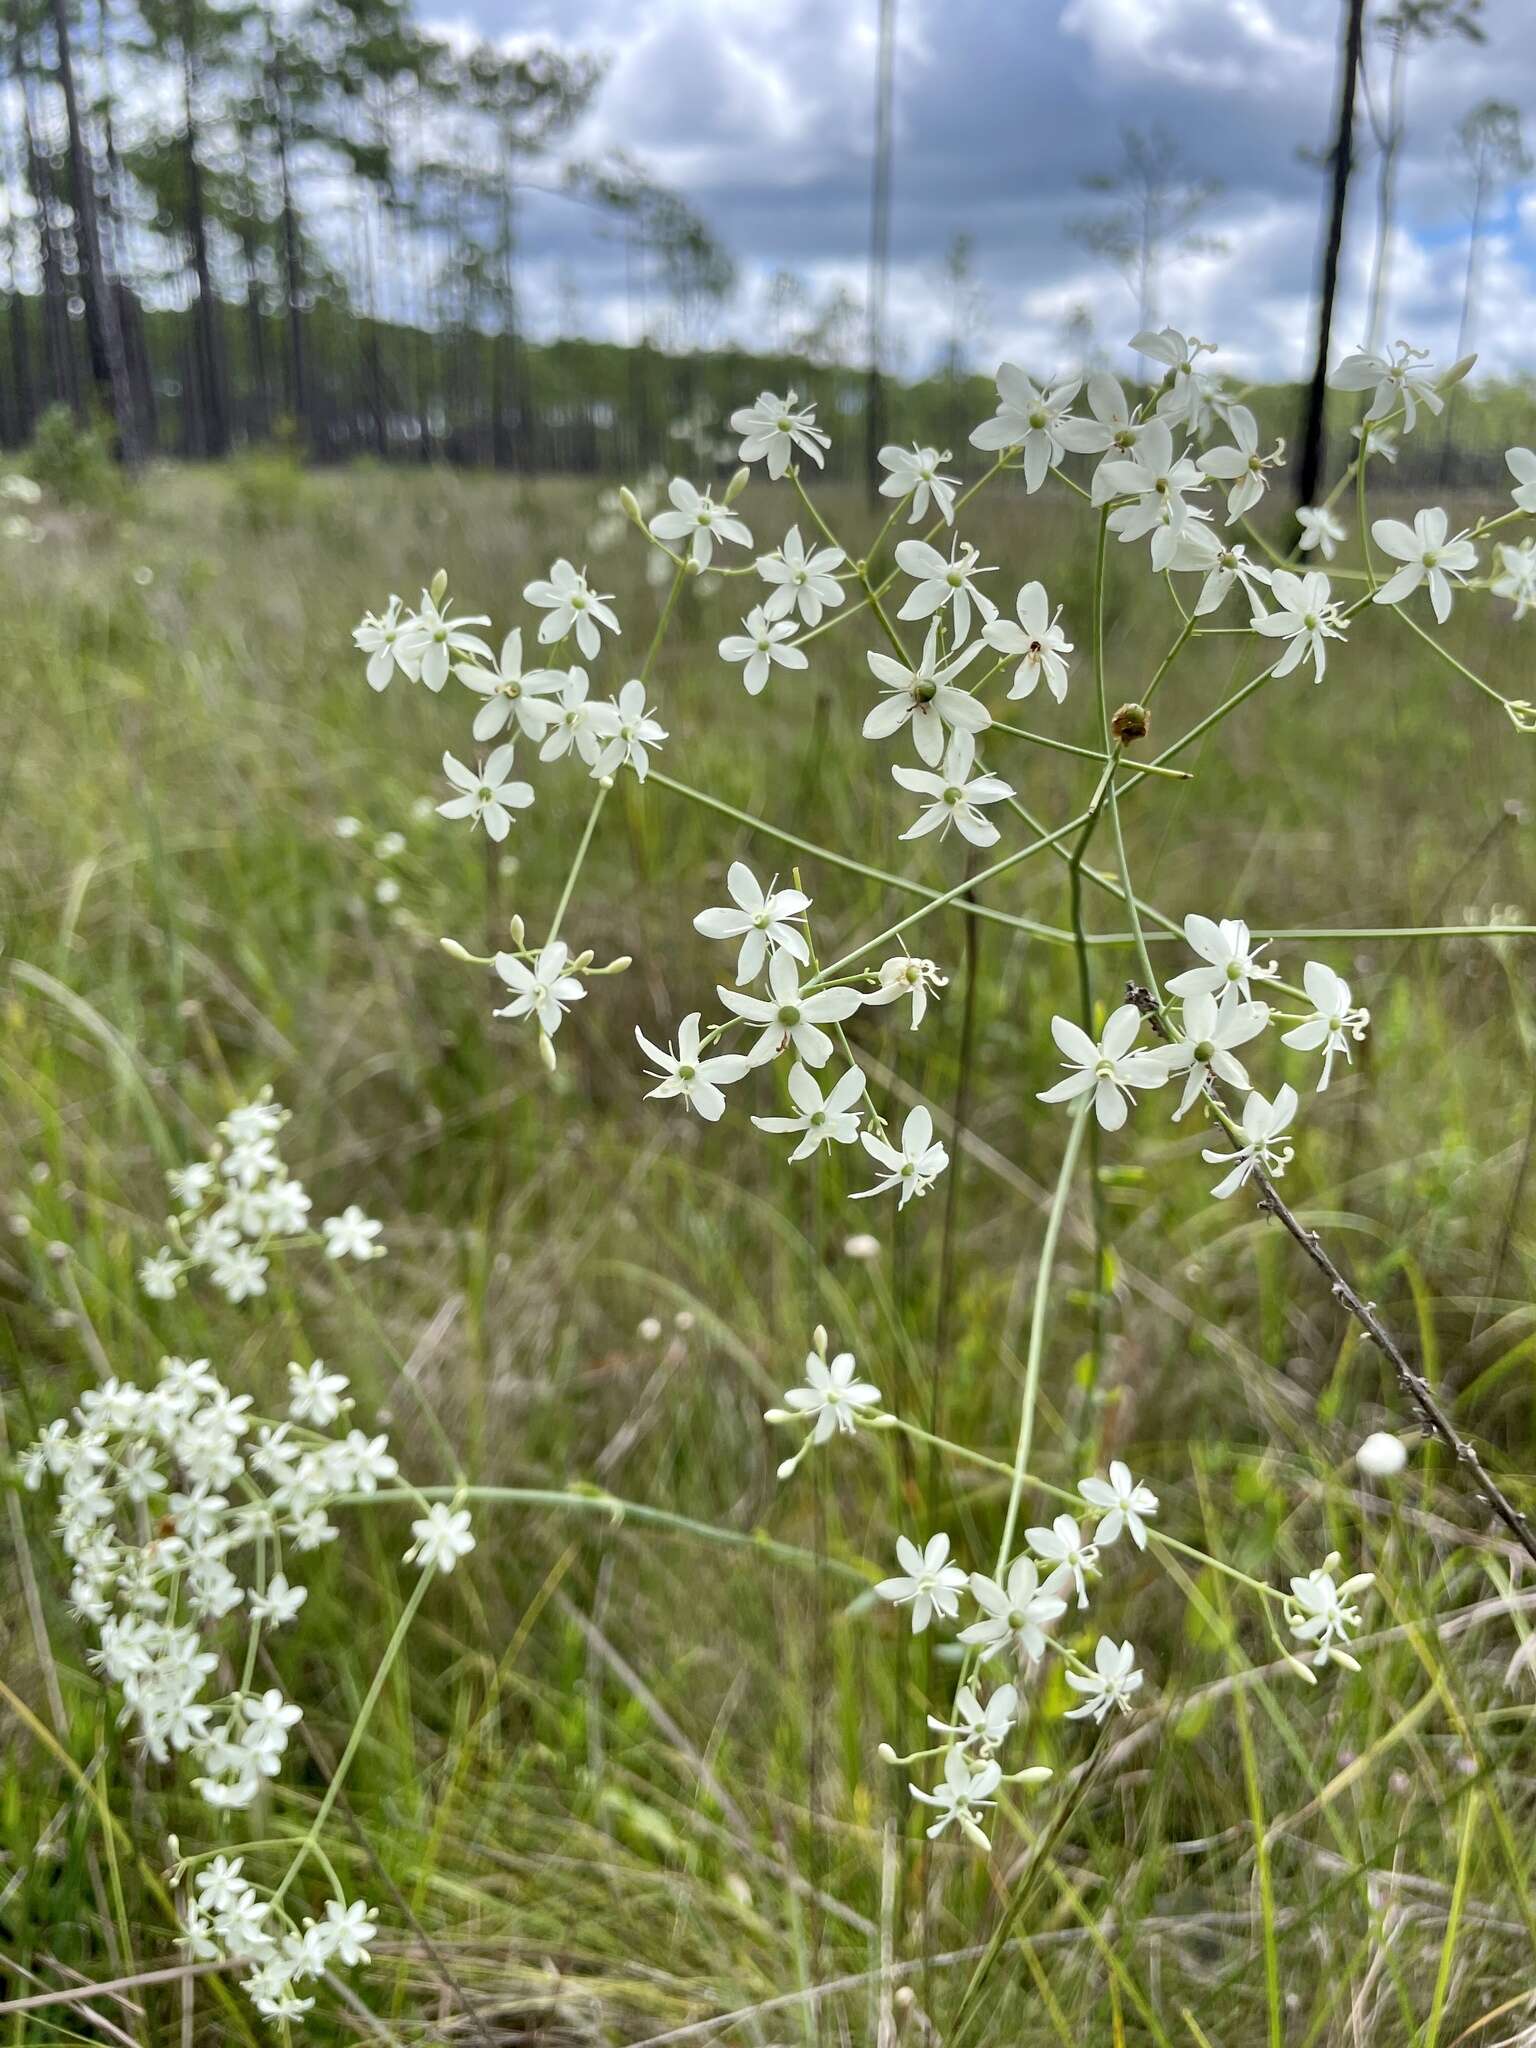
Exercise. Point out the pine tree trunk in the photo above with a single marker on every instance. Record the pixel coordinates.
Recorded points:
(1341, 164)
(213, 409)
(108, 365)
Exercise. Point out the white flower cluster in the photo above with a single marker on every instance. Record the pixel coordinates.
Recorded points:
(179, 1510)
(1217, 1015)
(1016, 1613)
(1018, 1605)
(240, 1203)
(229, 1919)
(176, 1511)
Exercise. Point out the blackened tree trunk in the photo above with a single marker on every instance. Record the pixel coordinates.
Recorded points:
(208, 355)
(1340, 164)
(109, 367)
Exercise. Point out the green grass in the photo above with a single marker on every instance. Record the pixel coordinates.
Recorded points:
(624, 1781)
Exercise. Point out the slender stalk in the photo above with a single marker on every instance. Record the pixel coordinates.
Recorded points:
(1037, 1327)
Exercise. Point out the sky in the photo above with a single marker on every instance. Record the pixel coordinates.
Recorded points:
(761, 113)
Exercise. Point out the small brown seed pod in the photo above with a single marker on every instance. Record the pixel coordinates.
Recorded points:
(1130, 722)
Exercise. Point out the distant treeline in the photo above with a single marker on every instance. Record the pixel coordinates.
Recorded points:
(406, 394)
(232, 223)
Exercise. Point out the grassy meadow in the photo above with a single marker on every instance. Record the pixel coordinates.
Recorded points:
(623, 1787)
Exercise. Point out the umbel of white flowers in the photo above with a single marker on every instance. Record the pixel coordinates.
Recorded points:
(1175, 476)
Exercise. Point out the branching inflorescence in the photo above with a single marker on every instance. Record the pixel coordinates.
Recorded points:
(184, 1514)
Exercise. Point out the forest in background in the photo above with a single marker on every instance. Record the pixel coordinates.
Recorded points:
(229, 223)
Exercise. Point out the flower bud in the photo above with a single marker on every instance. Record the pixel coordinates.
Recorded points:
(518, 930)
(439, 586)
(621, 965)
(862, 1246)
(457, 952)
(582, 962)
(1381, 1455)
(819, 1339)
(1130, 722)
(737, 484)
(630, 504)
(547, 1050)
(1458, 371)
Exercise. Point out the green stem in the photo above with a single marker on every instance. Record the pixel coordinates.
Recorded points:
(1037, 1325)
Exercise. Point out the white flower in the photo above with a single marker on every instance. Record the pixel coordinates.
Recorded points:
(1381, 1455)
(683, 1073)
(1321, 530)
(489, 796)
(831, 1400)
(761, 921)
(159, 1274)
(512, 698)
(545, 990)
(1123, 1502)
(1522, 467)
(1398, 381)
(1072, 1556)
(1015, 1612)
(942, 580)
(350, 1929)
(775, 427)
(1188, 398)
(1376, 440)
(1037, 639)
(430, 642)
(832, 1119)
(1222, 563)
(378, 637)
(914, 473)
(1230, 955)
(239, 1272)
(1516, 579)
(925, 697)
(1242, 465)
(1112, 1683)
(576, 721)
(1035, 418)
(1427, 555)
(351, 1235)
(315, 1395)
(1318, 1612)
(570, 603)
(1212, 1027)
(1110, 1070)
(761, 643)
(954, 795)
(1332, 1023)
(697, 514)
(1116, 427)
(1264, 1125)
(443, 1536)
(279, 1603)
(633, 729)
(906, 975)
(800, 581)
(191, 1184)
(1157, 485)
(914, 1166)
(928, 1580)
(961, 1795)
(986, 1726)
(790, 1018)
